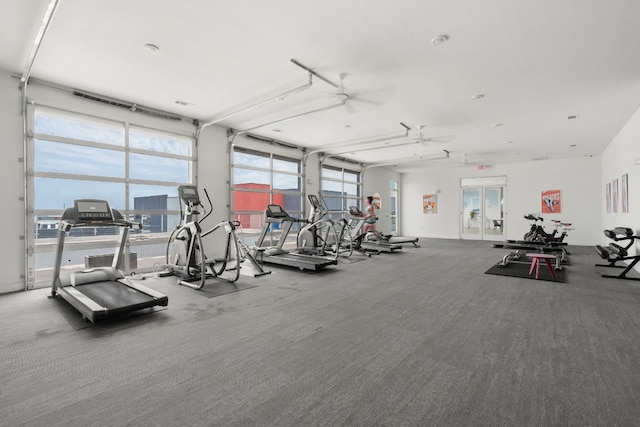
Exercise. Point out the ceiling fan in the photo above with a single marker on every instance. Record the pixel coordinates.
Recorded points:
(357, 98)
(425, 140)
(353, 100)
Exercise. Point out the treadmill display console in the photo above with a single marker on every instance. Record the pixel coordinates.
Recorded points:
(93, 211)
(276, 211)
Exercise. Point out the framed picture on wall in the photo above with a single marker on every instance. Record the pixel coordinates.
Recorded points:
(614, 196)
(607, 196)
(429, 203)
(551, 201)
(624, 193)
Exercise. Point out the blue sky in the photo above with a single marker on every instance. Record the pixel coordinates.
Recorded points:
(73, 159)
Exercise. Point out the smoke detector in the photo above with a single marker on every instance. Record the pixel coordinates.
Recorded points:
(438, 40)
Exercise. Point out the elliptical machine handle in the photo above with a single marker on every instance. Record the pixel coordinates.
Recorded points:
(206, 193)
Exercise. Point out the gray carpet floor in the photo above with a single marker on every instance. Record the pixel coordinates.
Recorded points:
(417, 338)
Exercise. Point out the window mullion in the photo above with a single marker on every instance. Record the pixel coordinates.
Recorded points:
(80, 140)
(127, 152)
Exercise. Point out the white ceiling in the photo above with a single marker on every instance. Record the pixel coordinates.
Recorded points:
(535, 62)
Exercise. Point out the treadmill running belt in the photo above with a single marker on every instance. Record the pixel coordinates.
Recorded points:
(116, 296)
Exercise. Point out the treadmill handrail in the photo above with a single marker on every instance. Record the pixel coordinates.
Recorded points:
(114, 223)
(68, 222)
(88, 307)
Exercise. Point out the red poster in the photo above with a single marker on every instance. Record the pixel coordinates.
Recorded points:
(551, 202)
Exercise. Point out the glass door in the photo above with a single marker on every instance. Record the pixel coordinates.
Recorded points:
(471, 213)
(482, 213)
(493, 225)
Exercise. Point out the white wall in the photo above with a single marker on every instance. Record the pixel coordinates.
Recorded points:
(578, 179)
(619, 158)
(11, 173)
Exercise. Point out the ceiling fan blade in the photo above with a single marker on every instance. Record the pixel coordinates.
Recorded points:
(443, 139)
(349, 107)
(362, 92)
(373, 98)
(362, 100)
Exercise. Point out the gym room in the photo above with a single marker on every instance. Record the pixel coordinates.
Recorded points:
(286, 213)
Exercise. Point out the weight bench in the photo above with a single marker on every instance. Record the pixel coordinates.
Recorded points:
(615, 253)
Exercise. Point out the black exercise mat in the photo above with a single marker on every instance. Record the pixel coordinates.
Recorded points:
(522, 270)
(75, 320)
(216, 288)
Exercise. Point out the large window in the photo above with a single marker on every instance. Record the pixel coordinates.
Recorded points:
(136, 169)
(341, 188)
(260, 179)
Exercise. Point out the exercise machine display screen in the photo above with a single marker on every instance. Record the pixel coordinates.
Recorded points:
(276, 211)
(189, 193)
(313, 199)
(93, 210)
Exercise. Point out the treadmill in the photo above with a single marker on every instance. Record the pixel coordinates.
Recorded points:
(356, 222)
(102, 292)
(276, 216)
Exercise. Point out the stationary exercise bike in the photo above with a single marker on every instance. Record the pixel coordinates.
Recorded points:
(537, 233)
(185, 255)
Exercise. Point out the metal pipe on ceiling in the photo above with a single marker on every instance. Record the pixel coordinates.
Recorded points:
(368, 141)
(317, 110)
(410, 160)
(403, 161)
(298, 89)
(44, 27)
(310, 71)
(379, 147)
(279, 97)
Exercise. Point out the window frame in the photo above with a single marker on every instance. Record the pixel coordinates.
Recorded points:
(37, 246)
(270, 191)
(346, 199)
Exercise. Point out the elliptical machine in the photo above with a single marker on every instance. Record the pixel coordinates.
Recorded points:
(185, 254)
(322, 235)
